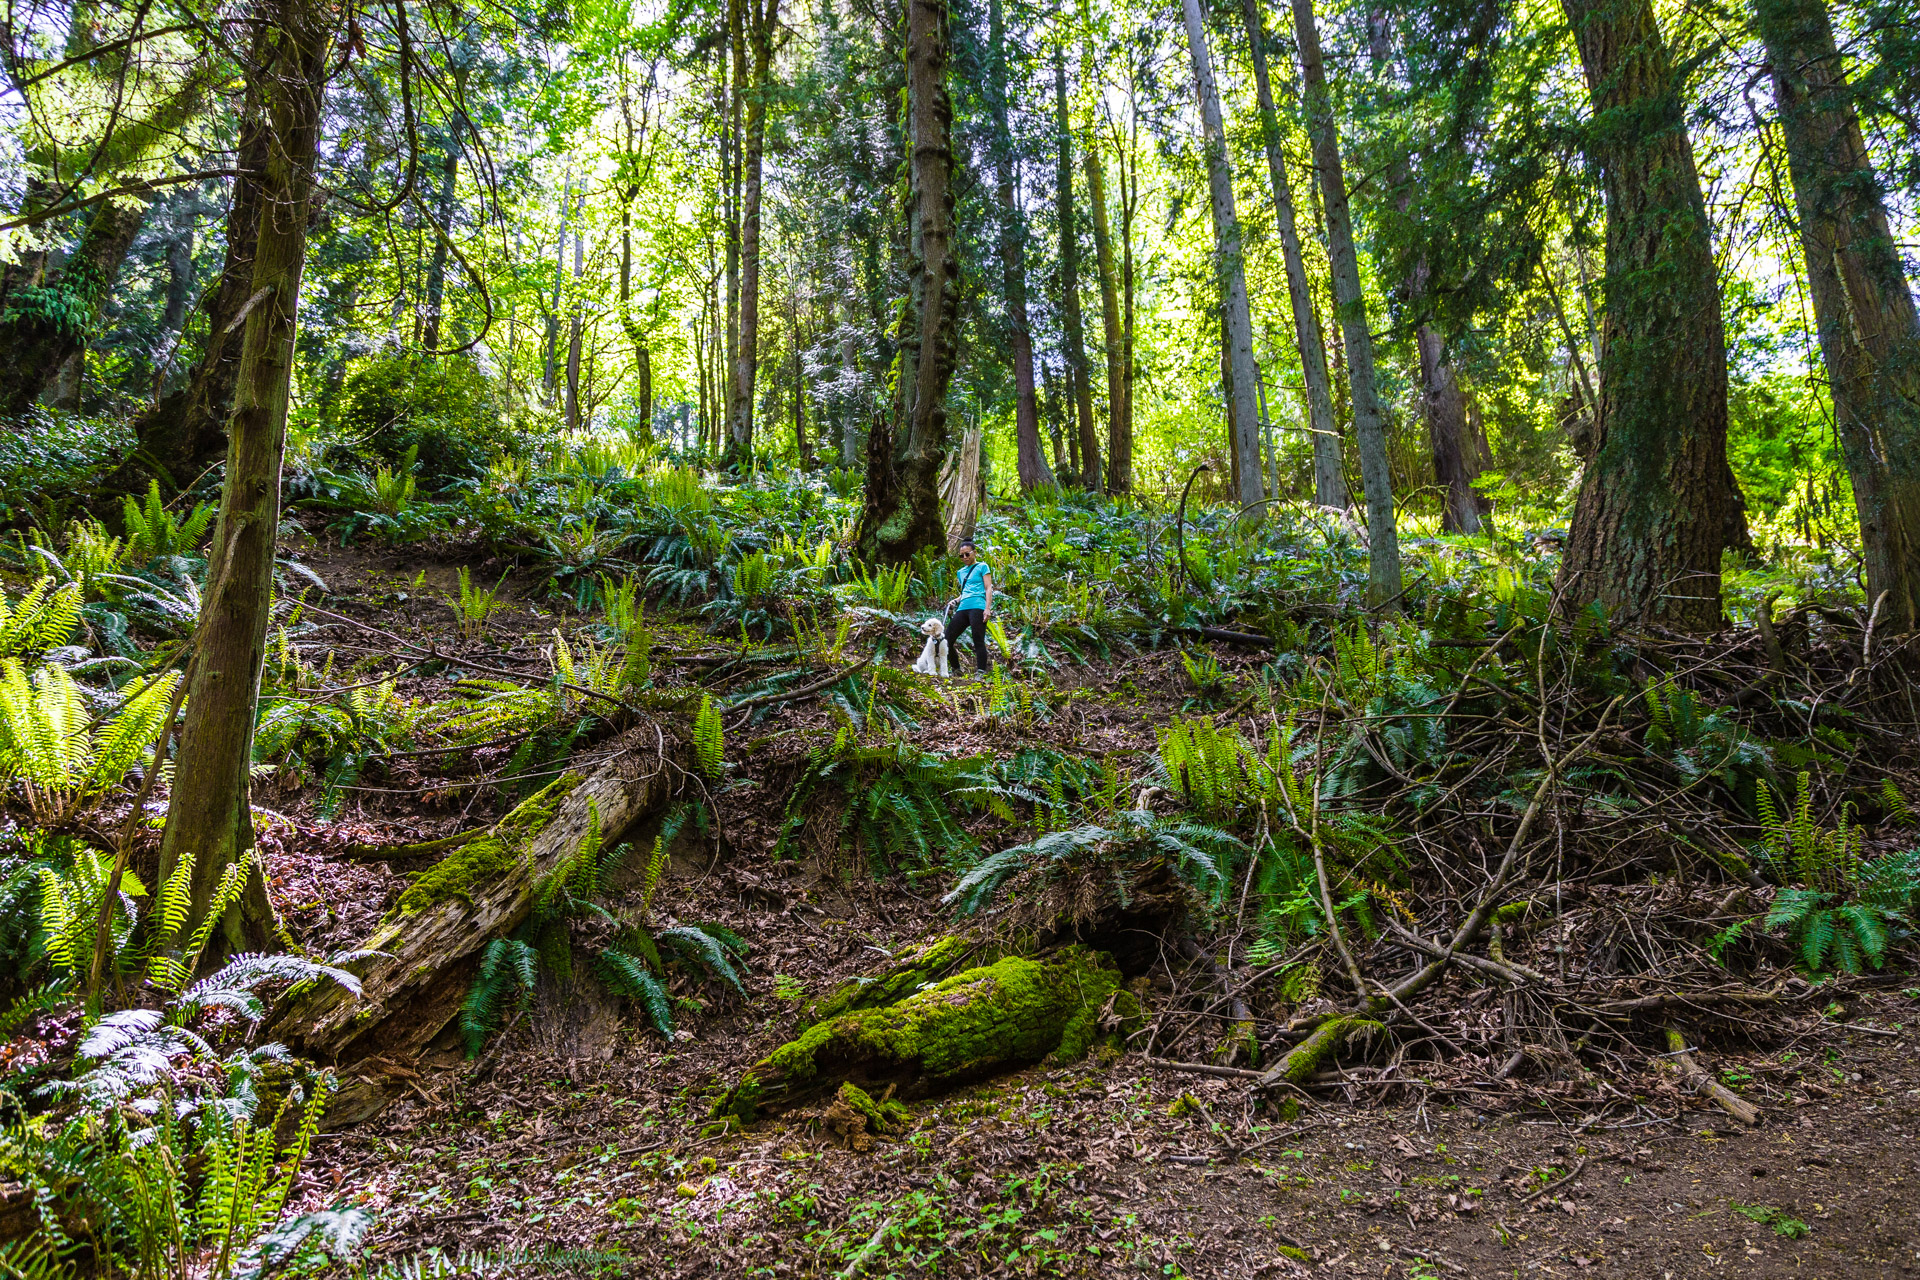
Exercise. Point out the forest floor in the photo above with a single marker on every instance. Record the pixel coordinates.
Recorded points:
(579, 1127)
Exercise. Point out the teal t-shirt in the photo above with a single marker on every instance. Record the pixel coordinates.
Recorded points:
(973, 585)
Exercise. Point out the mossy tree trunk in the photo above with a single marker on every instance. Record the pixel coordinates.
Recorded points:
(762, 17)
(209, 815)
(1119, 394)
(901, 514)
(1862, 306)
(46, 329)
(1657, 499)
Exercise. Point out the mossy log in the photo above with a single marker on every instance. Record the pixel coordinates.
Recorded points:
(1306, 1058)
(997, 1017)
(428, 944)
(909, 971)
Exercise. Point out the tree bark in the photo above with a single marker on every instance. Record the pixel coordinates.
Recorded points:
(437, 270)
(1329, 481)
(1655, 503)
(746, 360)
(183, 434)
(577, 321)
(209, 817)
(1369, 422)
(1862, 306)
(1088, 438)
(430, 939)
(1243, 416)
(44, 329)
(1030, 462)
(1119, 405)
(901, 514)
(551, 377)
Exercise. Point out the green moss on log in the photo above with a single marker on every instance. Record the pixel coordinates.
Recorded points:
(1318, 1049)
(1008, 1014)
(882, 1116)
(905, 974)
(490, 856)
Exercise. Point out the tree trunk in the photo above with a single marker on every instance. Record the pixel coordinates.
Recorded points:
(1243, 417)
(46, 328)
(1329, 481)
(902, 509)
(1369, 422)
(1031, 463)
(179, 279)
(437, 270)
(733, 85)
(1869, 333)
(576, 322)
(209, 816)
(183, 434)
(432, 937)
(1119, 434)
(551, 378)
(1654, 505)
(1088, 439)
(746, 360)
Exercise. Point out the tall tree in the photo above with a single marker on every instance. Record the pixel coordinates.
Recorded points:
(901, 514)
(1657, 498)
(1862, 306)
(1030, 462)
(1454, 439)
(761, 19)
(1369, 420)
(1113, 340)
(1242, 384)
(576, 322)
(1329, 480)
(443, 209)
(209, 813)
(1088, 438)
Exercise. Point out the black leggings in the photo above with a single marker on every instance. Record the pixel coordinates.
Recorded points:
(962, 619)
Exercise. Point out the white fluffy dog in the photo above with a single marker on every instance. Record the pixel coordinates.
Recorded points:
(933, 655)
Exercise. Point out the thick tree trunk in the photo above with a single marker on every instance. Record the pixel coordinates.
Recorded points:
(1369, 421)
(1088, 438)
(437, 270)
(1329, 481)
(1862, 306)
(746, 359)
(47, 328)
(183, 434)
(1030, 462)
(902, 510)
(1119, 406)
(1243, 415)
(209, 817)
(430, 940)
(1654, 506)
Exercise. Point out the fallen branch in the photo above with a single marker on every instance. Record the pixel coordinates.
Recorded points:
(769, 699)
(1700, 1082)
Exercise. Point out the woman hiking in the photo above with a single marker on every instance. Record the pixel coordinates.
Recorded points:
(974, 606)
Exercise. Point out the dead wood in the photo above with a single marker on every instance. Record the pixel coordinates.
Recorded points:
(425, 950)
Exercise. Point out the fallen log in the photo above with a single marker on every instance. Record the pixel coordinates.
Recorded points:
(423, 953)
(998, 1017)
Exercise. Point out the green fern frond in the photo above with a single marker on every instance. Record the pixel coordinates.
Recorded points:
(702, 947)
(627, 975)
(508, 969)
(709, 745)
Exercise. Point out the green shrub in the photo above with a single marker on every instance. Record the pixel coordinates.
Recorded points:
(445, 408)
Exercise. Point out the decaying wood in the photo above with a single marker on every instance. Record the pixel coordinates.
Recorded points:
(413, 987)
